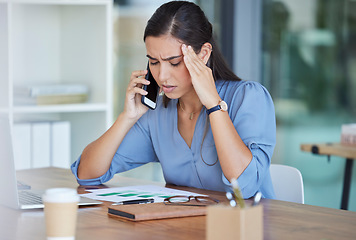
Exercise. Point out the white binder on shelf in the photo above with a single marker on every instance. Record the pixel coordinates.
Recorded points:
(41, 144)
(22, 145)
(60, 141)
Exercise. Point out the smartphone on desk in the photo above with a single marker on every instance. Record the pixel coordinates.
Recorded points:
(150, 100)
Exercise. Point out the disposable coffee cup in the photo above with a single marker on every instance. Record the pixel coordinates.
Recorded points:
(60, 210)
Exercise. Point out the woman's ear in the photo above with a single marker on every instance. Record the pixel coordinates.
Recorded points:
(205, 52)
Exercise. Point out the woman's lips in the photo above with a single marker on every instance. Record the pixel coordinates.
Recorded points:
(168, 88)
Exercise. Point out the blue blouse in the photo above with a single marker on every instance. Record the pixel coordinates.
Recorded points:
(155, 138)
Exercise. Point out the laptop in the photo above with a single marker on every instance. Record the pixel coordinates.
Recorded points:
(12, 193)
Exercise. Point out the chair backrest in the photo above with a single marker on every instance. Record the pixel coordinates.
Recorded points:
(287, 183)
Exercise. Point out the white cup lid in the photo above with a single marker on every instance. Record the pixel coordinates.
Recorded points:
(60, 195)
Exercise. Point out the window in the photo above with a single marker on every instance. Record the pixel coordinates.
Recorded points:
(308, 65)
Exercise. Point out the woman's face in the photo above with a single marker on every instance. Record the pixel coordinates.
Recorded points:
(167, 65)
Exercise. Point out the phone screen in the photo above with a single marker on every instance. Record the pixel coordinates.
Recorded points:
(150, 99)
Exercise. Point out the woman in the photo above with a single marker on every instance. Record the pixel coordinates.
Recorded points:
(196, 138)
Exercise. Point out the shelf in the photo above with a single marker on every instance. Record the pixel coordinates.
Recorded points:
(85, 107)
(46, 42)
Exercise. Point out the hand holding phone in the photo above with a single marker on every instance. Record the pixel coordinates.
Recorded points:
(150, 100)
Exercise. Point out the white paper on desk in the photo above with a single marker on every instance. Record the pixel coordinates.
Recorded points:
(120, 194)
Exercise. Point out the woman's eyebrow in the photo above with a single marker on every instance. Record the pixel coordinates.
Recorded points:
(164, 59)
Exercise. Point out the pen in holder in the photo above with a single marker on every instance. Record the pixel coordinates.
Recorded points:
(237, 193)
(235, 221)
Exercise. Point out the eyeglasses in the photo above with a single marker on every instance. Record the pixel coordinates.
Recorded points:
(186, 200)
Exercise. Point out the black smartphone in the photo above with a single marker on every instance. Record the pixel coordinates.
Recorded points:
(150, 100)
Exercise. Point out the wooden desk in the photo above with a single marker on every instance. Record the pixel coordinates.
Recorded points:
(282, 220)
(336, 149)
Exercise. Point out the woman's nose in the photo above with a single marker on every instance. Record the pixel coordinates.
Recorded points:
(164, 73)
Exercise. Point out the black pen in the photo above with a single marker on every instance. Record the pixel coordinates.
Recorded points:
(137, 201)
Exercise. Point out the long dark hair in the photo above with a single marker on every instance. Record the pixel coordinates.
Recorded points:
(188, 23)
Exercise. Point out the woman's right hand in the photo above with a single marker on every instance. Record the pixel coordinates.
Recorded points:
(134, 109)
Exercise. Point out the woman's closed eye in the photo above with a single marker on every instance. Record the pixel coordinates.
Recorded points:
(172, 64)
(175, 64)
(154, 63)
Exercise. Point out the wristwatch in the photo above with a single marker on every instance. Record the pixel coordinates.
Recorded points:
(222, 105)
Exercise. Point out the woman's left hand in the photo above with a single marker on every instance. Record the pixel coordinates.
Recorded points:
(202, 78)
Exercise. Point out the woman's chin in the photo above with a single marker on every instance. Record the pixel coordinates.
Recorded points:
(171, 96)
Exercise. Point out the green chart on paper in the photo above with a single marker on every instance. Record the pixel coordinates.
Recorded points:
(136, 192)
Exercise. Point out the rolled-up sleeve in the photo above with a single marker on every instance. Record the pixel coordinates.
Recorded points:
(94, 181)
(253, 115)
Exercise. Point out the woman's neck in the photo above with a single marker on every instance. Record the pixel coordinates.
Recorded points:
(190, 103)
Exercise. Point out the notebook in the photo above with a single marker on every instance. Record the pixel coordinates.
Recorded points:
(153, 211)
(12, 193)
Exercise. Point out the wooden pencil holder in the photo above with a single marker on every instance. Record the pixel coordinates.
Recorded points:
(226, 222)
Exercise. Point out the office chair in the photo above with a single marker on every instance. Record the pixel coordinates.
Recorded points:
(287, 183)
